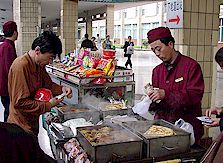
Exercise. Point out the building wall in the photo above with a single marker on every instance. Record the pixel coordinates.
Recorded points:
(143, 17)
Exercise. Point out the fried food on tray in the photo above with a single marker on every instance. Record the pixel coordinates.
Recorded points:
(96, 135)
(72, 109)
(114, 106)
(158, 131)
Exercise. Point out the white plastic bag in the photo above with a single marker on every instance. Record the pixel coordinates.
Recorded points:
(186, 127)
(130, 50)
(142, 108)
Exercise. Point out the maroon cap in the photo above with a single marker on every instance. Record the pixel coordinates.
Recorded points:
(9, 26)
(158, 33)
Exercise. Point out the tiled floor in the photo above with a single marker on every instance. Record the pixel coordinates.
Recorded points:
(143, 63)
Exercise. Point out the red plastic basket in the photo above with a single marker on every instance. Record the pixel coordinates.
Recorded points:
(110, 53)
(108, 57)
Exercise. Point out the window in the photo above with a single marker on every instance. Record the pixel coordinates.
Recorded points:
(117, 31)
(143, 12)
(155, 24)
(221, 30)
(127, 30)
(125, 14)
(102, 31)
(145, 28)
(134, 34)
(79, 33)
(151, 9)
(94, 31)
(117, 15)
(131, 12)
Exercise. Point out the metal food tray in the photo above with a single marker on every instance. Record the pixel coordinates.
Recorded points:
(160, 146)
(62, 132)
(119, 145)
(106, 111)
(79, 111)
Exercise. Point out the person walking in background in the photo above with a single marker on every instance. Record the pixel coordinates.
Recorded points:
(7, 56)
(87, 43)
(179, 82)
(98, 40)
(107, 43)
(94, 44)
(128, 51)
(27, 75)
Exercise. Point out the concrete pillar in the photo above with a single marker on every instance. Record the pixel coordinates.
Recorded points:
(38, 27)
(110, 21)
(139, 27)
(122, 39)
(25, 14)
(89, 24)
(199, 38)
(69, 25)
(162, 11)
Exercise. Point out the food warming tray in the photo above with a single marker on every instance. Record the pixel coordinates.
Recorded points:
(119, 145)
(160, 146)
(79, 111)
(104, 111)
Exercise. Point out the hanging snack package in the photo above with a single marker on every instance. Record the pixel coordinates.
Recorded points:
(112, 69)
(85, 62)
(104, 65)
(93, 73)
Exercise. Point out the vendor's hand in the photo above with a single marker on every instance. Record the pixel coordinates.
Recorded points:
(148, 88)
(67, 91)
(54, 101)
(157, 94)
(216, 111)
(215, 123)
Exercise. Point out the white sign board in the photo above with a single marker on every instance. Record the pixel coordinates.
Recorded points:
(174, 9)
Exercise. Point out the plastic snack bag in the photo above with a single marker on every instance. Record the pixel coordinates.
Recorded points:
(186, 127)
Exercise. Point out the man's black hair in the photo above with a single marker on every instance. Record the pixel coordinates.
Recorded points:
(86, 35)
(166, 40)
(48, 42)
(8, 34)
(219, 55)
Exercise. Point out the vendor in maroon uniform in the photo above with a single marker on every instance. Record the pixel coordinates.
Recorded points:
(180, 82)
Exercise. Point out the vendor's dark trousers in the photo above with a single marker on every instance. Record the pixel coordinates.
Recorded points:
(5, 102)
(128, 62)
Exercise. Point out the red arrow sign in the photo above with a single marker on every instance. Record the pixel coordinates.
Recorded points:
(177, 20)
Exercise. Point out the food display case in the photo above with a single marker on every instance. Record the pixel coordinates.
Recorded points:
(121, 85)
